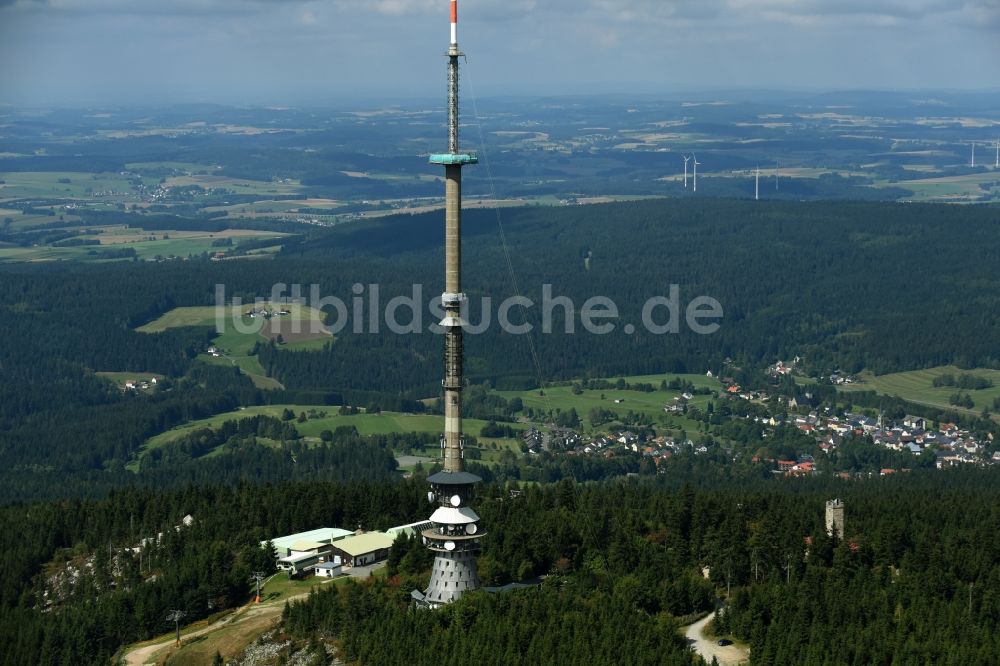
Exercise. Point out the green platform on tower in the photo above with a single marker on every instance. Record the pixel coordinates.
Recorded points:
(454, 158)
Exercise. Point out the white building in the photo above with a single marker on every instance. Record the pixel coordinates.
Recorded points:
(330, 569)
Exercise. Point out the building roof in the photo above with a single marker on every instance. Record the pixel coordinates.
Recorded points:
(295, 559)
(453, 479)
(306, 544)
(328, 565)
(409, 530)
(322, 534)
(365, 543)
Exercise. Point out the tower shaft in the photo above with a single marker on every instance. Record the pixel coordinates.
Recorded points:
(454, 537)
(452, 298)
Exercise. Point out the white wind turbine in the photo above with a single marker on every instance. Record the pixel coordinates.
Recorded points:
(685, 171)
(696, 163)
(973, 154)
(756, 184)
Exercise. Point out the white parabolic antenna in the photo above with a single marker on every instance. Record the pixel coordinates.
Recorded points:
(449, 545)
(471, 528)
(455, 500)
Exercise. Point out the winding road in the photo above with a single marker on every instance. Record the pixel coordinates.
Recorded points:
(729, 655)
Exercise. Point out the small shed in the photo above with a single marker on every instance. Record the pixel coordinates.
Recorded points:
(329, 569)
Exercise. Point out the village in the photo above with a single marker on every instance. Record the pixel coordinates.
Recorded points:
(827, 426)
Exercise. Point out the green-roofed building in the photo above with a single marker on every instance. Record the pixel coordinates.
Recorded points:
(284, 546)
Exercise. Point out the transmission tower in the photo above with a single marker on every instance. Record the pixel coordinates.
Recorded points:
(257, 577)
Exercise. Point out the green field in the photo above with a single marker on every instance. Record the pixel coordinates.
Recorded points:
(45, 184)
(952, 188)
(259, 188)
(300, 330)
(366, 424)
(120, 378)
(19, 220)
(917, 386)
(148, 245)
(557, 397)
(650, 404)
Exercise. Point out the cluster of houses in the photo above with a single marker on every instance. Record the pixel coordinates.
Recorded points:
(950, 444)
(140, 384)
(266, 313)
(558, 439)
(327, 551)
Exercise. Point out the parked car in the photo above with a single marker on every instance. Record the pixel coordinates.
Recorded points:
(724, 642)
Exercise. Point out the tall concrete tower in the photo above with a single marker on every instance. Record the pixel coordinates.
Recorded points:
(454, 538)
(835, 518)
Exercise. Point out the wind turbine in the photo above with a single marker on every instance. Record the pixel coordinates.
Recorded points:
(696, 163)
(756, 184)
(775, 176)
(685, 171)
(973, 154)
(997, 165)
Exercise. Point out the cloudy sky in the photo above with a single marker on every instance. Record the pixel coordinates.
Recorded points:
(295, 51)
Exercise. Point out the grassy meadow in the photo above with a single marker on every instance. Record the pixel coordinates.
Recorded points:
(917, 386)
(301, 329)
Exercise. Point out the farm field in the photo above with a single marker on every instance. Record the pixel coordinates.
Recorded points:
(953, 188)
(327, 418)
(320, 418)
(206, 315)
(148, 245)
(236, 185)
(301, 329)
(46, 184)
(917, 386)
(366, 424)
(121, 378)
(19, 220)
(650, 404)
(266, 207)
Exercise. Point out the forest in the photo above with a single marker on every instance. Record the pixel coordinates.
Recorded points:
(914, 580)
(844, 285)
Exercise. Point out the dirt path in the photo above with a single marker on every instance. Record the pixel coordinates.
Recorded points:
(147, 653)
(251, 613)
(729, 655)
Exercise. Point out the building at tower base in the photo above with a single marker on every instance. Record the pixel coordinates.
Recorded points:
(453, 538)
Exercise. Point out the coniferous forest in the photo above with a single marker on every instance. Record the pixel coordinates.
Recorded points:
(914, 581)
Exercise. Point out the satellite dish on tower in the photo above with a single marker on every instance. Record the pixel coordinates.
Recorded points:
(449, 545)
(455, 500)
(471, 528)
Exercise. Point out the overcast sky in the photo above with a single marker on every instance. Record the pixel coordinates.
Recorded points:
(293, 52)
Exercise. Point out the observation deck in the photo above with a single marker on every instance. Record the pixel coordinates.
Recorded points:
(451, 159)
